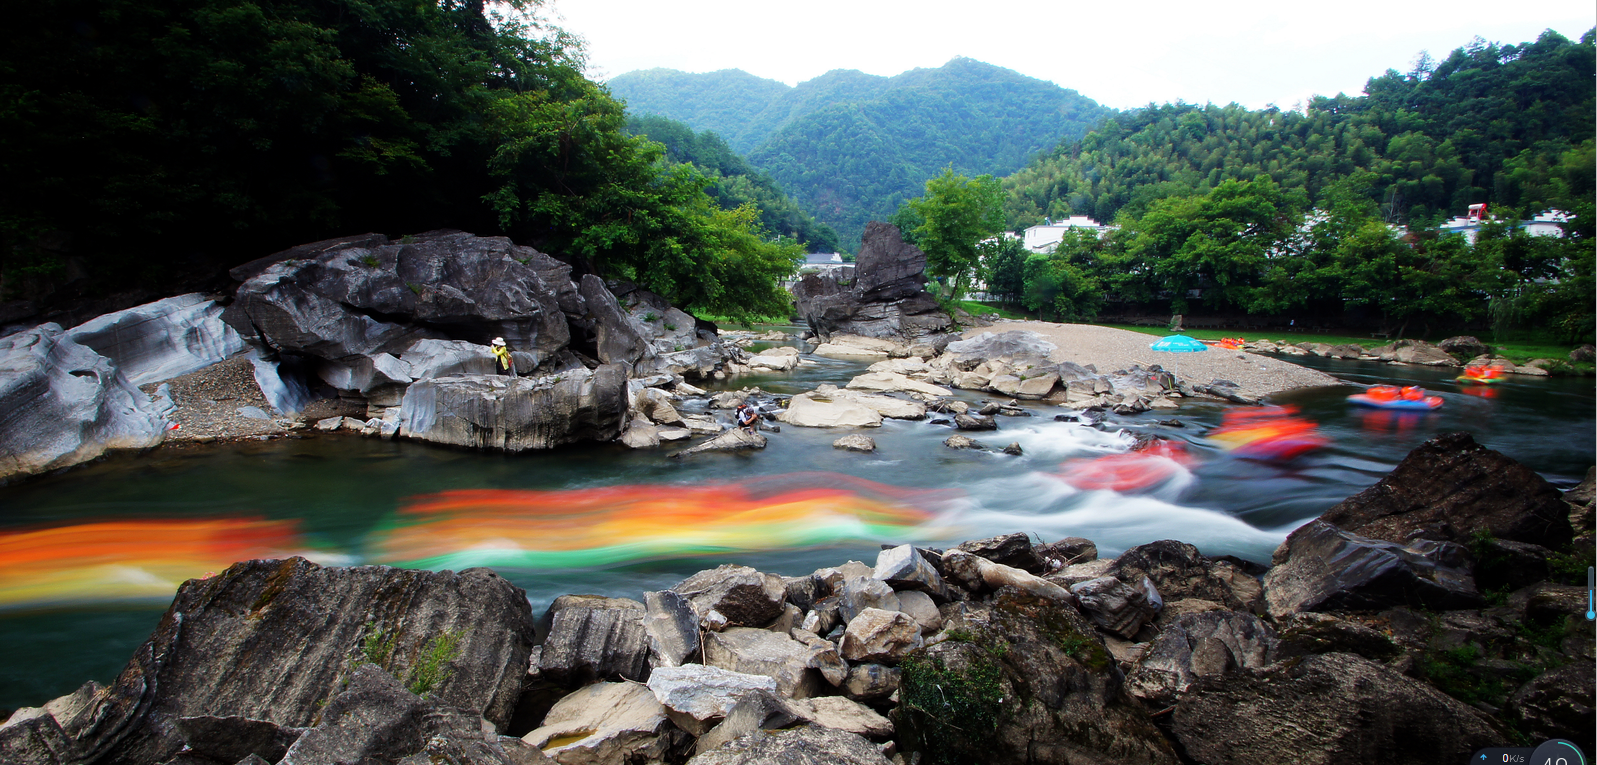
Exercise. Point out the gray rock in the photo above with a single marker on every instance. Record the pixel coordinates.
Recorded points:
(922, 609)
(858, 593)
(1557, 704)
(1330, 708)
(1067, 552)
(762, 652)
(605, 723)
(161, 340)
(743, 595)
(883, 296)
(373, 719)
(1198, 645)
(802, 591)
(1322, 568)
(37, 739)
(870, 682)
(517, 413)
(880, 637)
(1464, 345)
(730, 440)
(618, 339)
(1012, 346)
(63, 404)
(641, 434)
(840, 713)
(1451, 488)
(1009, 549)
(974, 422)
(751, 714)
(696, 697)
(1115, 606)
(429, 358)
(824, 656)
(672, 627)
(1054, 696)
(594, 638)
(904, 568)
(273, 641)
(1179, 571)
(855, 443)
(230, 739)
(809, 745)
(445, 284)
(962, 442)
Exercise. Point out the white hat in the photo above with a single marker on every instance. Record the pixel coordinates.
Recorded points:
(499, 341)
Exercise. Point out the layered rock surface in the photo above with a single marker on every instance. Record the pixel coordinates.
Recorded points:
(883, 296)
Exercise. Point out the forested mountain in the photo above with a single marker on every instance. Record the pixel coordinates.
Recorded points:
(853, 146)
(141, 142)
(1501, 124)
(733, 181)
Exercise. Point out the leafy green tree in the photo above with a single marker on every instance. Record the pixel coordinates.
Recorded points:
(1003, 262)
(956, 214)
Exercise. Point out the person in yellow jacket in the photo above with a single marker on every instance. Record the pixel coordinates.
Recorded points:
(506, 365)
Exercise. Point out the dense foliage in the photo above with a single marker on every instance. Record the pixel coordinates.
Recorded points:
(1511, 125)
(852, 147)
(142, 139)
(1251, 247)
(949, 223)
(733, 181)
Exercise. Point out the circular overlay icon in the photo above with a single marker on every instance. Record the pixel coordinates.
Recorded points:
(1558, 752)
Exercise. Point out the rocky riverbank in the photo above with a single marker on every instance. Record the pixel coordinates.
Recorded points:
(1412, 623)
(391, 339)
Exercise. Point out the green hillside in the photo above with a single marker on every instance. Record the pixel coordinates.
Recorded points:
(723, 102)
(734, 182)
(1489, 123)
(852, 146)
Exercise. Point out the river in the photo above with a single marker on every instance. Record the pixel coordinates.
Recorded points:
(95, 551)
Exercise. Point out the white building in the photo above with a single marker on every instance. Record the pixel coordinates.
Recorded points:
(1046, 237)
(1544, 224)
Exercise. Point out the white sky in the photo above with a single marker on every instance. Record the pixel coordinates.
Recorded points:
(1120, 54)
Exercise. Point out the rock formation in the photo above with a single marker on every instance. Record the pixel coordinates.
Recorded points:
(883, 295)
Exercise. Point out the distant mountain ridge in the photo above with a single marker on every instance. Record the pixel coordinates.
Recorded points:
(852, 146)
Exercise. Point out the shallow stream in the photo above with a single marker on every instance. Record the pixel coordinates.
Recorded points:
(93, 553)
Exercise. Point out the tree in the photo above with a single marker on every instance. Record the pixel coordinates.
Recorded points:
(1004, 267)
(956, 214)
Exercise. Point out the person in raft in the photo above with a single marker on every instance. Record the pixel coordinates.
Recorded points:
(505, 365)
(747, 417)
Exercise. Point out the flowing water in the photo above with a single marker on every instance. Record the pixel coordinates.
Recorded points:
(90, 557)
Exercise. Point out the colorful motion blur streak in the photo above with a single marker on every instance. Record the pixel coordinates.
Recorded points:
(1480, 374)
(1267, 433)
(1152, 463)
(585, 528)
(128, 560)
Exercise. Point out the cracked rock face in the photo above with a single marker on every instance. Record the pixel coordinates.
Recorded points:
(883, 296)
(517, 413)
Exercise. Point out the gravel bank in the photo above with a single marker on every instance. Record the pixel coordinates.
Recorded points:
(1109, 349)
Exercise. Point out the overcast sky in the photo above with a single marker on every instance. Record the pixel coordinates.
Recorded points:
(1120, 54)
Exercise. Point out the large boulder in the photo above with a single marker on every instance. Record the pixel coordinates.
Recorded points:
(594, 638)
(1328, 708)
(618, 338)
(162, 340)
(61, 404)
(1451, 488)
(1013, 347)
(763, 652)
(278, 640)
(374, 719)
(517, 413)
(880, 637)
(730, 440)
(1464, 347)
(808, 745)
(445, 284)
(743, 595)
(1028, 681)
(823, 410)
(1323, 568)
(1178, 571)
(1558, 704)
(1199, 645)
(884, 295)
(606, 723)
(695, 696)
